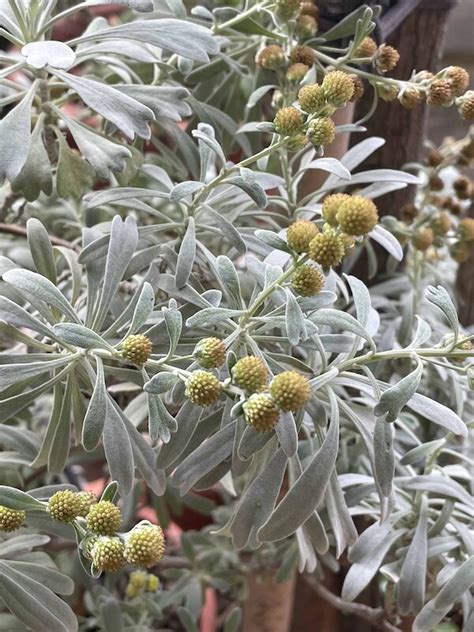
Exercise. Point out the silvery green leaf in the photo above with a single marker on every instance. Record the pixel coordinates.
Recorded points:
(109, 196)
(366, 556)
(295, 324)
(103, 154)
(252, 442)
(287, 433)
(161, 382)
(411, 587)
(421, 451)
(187, 420)
(396, 397)
(186, 255)
(12, 373)
(206, 136)
(436, 609)
(331, 165)
(251, 188)
(110, 493)
(177, 36)
(355, 156)
(143, 308)
(308, 490)
(202, 460)
(80, 336)
(315, 532)
(440, 485)
(49, 577)
(36, 175)
(346, 26)
(160, 422)
(48, 53)
(74, 176)
(257, 94)
(270, 238)
(422, 333)
(387, 241)
(438, 296)
(33, 603)
(230, 278)
(233, 620)
(136, 5)
(212, 316)
(41, 249)
(174, 324)
(16, 499)
(384, 175)
(341, 320)
(258, 501)
(361, 297)
(60, 432)
(340, 519)
(118, 449)
(164, 101)
(94, 419)
(185, 189)
(228, 229)
(384, 462)
(122, 244)
(129, 115)
(15, 137)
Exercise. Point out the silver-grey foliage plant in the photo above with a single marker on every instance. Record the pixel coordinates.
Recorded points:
(123, 338)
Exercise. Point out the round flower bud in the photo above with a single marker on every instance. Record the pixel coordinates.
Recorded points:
(271, 57)
(108, 554)
(250, 374)
(322, 131)
(436, 183)
(458, 78)
(408, 212)
(359, 88)
(410, 97)
(466, 105)
(439, 93)
(104, 518)
(308, 8)
(386, 93)
(136, 349)
(367, 48)
(331, 206)
(327, 249)
(462, 187)
(260, 412)
(460, 252)
(441, 224)
(300, 234)
(311, 98)
(296, 72)
(303, 55)
(466, 230)
(423, 239)
(386, 58)
(64, 506)
(11, 519)
(338, 88)
(210, 353)
(152, 583)
(203, 388)
(295, 143)
(138, 579)
(287, 9)
(357, 216)
(424, 76)
(434, 158)
(306, 26)
(288, 121)
(145, 545)
(307, 280)
(290, 390)
(86, 500)
(131, 591)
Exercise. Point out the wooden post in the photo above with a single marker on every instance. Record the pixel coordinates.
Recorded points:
(269, 605)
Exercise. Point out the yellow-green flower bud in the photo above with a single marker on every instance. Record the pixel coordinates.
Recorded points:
(367, 48)
(327, 249)
(311, 98)
(338, 88)
(138, 579)
(145, 545)
(386, 58)
(290, 390)
(250, 374)
(108, 554)
(357, 216)
(153, 583)
(441, 224)
(300, 234)
(296, 72)
(307, 280)
(64, 506)
(331, 206)
(409, 97)
(137, 349)
(86, 500)
(260, 412)
(104, 518)
(271, 57)
(210, 353)
(306, 26)
(288, 121)
(322, 131)
(203, 388)
(423, 239)
(11, 519)
(295, 143)
(287, 9)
